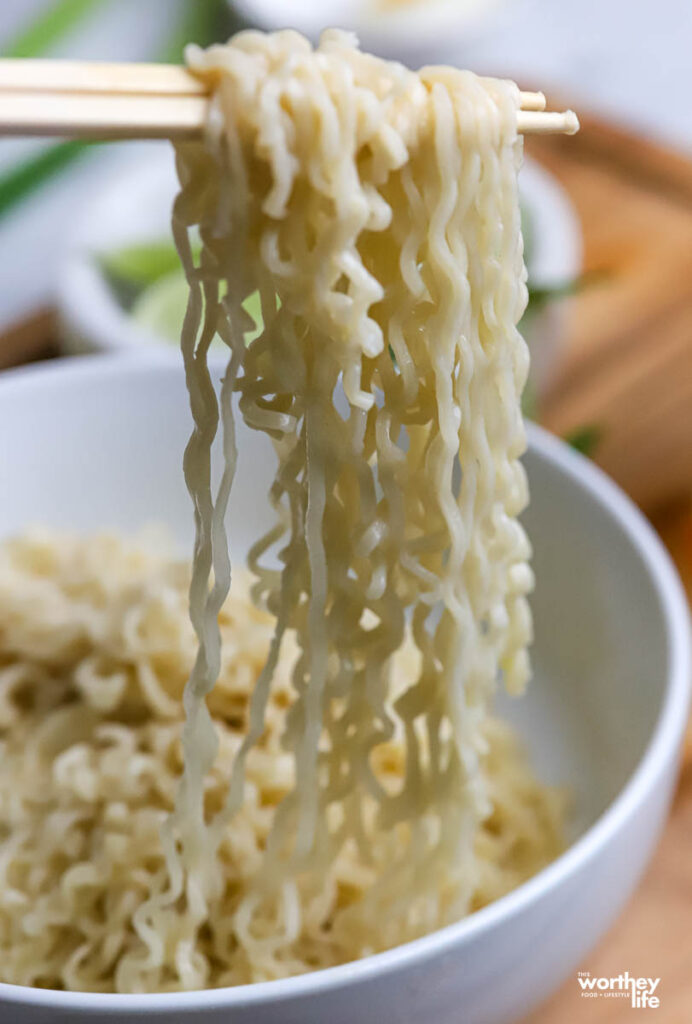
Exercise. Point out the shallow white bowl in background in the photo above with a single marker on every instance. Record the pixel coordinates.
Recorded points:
(414, 31)
(98, 442)
(134, 205)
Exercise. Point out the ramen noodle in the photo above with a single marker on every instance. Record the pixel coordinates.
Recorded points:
(95, 648)
(343, 786)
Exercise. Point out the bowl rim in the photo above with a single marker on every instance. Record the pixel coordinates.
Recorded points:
(661, 748)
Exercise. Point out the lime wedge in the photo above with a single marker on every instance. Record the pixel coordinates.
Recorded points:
(160, 309)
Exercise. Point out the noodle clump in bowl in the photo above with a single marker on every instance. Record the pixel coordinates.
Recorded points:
(95, 649)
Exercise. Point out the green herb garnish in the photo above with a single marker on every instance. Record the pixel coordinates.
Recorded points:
(141, 264)
(585, 439)
(53, 23)
(203, 21)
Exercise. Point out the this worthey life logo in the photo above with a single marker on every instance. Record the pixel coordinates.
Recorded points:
(641, 991)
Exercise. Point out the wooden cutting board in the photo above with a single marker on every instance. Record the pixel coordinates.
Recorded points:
(628, 371)
(628, 367)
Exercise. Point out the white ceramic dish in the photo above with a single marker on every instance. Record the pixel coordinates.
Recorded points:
(97, 442)
(135, 205)
(414, 31)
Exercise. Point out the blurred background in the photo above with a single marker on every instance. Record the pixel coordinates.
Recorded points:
(88, 263)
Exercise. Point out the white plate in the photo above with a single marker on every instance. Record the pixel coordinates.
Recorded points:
(98, 442)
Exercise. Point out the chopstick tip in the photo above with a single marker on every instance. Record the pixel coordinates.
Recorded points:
(571, 123)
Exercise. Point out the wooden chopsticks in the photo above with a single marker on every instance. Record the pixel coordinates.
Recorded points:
(90, 99)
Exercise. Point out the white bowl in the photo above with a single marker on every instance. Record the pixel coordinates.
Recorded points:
(135, 204)
(98, 442)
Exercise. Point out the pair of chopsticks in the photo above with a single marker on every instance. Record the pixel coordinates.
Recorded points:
(89, 99)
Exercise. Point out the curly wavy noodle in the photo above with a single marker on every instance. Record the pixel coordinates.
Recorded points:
(355, 794)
